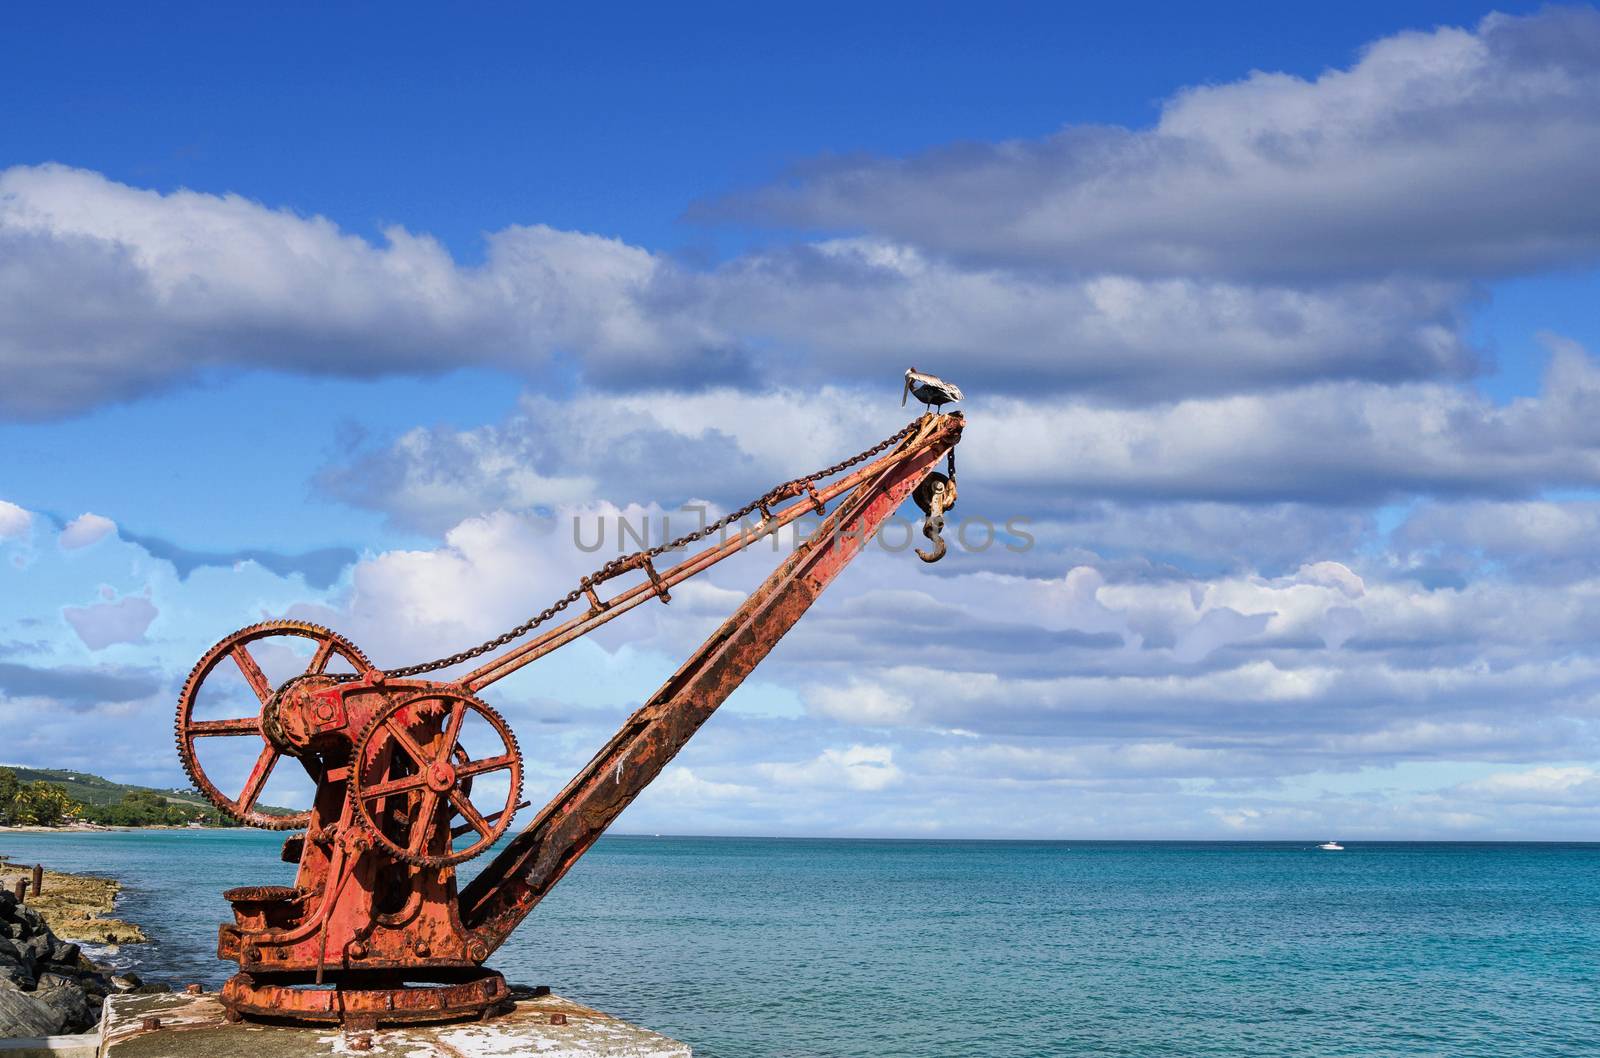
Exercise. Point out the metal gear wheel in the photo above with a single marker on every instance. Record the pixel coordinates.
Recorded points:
(433, 773)
(187, 729)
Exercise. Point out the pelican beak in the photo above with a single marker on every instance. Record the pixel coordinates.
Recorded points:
(905, 391)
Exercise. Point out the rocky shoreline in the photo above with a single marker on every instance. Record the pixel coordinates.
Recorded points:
(48, 986)
(76, 907)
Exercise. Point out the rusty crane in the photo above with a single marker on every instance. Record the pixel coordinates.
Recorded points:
(374, 930)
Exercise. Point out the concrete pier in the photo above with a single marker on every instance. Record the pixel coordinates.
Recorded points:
(190, 1026)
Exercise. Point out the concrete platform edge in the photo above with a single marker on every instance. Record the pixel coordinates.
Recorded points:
(550, 1026)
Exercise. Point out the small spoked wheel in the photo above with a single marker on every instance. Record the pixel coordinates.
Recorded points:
(413, 777)
(236, 649)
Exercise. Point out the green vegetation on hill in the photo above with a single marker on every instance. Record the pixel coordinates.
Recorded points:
(147, 808)
(48, 796)
(93, 790)
(34, 803)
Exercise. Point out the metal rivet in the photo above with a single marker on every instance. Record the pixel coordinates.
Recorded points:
(151, 1023)
(558, 1019)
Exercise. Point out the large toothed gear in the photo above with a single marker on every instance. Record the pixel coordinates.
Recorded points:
(410, 753)
(187, 729)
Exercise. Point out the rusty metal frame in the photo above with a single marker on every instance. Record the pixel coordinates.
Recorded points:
(381, 915)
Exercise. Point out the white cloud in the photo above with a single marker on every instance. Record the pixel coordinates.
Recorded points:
(1266, 233)
(14, 521)
(1339, 444)
(1217, 628)
(84, 530)
(1530, 539)
(1546, 784)
(1335, 442)
(1126, 736)
(488, 574)
(681, 786)
(1238, 818)
(1332, 575)
(859, 702)
(435, 478)
(103, 624)
(126, 290)
(856, 767)
(483, 577)
(1085, 761)
(1452, 152)
(120, 291)
(863, 308)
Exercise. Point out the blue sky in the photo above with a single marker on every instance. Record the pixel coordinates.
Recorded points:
(610, 118)
(1277, 325)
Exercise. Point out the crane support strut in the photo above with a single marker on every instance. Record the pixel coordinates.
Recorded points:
(510, 886)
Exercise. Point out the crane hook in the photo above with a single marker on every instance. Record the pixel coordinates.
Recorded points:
(934, 496)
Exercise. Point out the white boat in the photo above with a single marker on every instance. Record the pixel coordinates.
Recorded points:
(1331, 846)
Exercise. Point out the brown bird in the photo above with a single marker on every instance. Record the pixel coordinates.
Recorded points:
(929, 389)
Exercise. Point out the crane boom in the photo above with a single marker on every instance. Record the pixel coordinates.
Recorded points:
(536, 859)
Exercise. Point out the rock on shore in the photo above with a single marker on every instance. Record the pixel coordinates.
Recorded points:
(76, 907)
(47, 986)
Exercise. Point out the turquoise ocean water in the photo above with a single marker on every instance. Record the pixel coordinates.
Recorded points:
(932, 949)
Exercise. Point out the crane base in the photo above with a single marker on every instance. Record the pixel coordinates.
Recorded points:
(365, 1000)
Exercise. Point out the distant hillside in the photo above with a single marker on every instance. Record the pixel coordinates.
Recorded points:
(93, 790)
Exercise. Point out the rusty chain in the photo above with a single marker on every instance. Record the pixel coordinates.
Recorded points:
(640, 559)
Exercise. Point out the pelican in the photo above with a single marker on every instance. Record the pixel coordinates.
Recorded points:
(929, 389)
